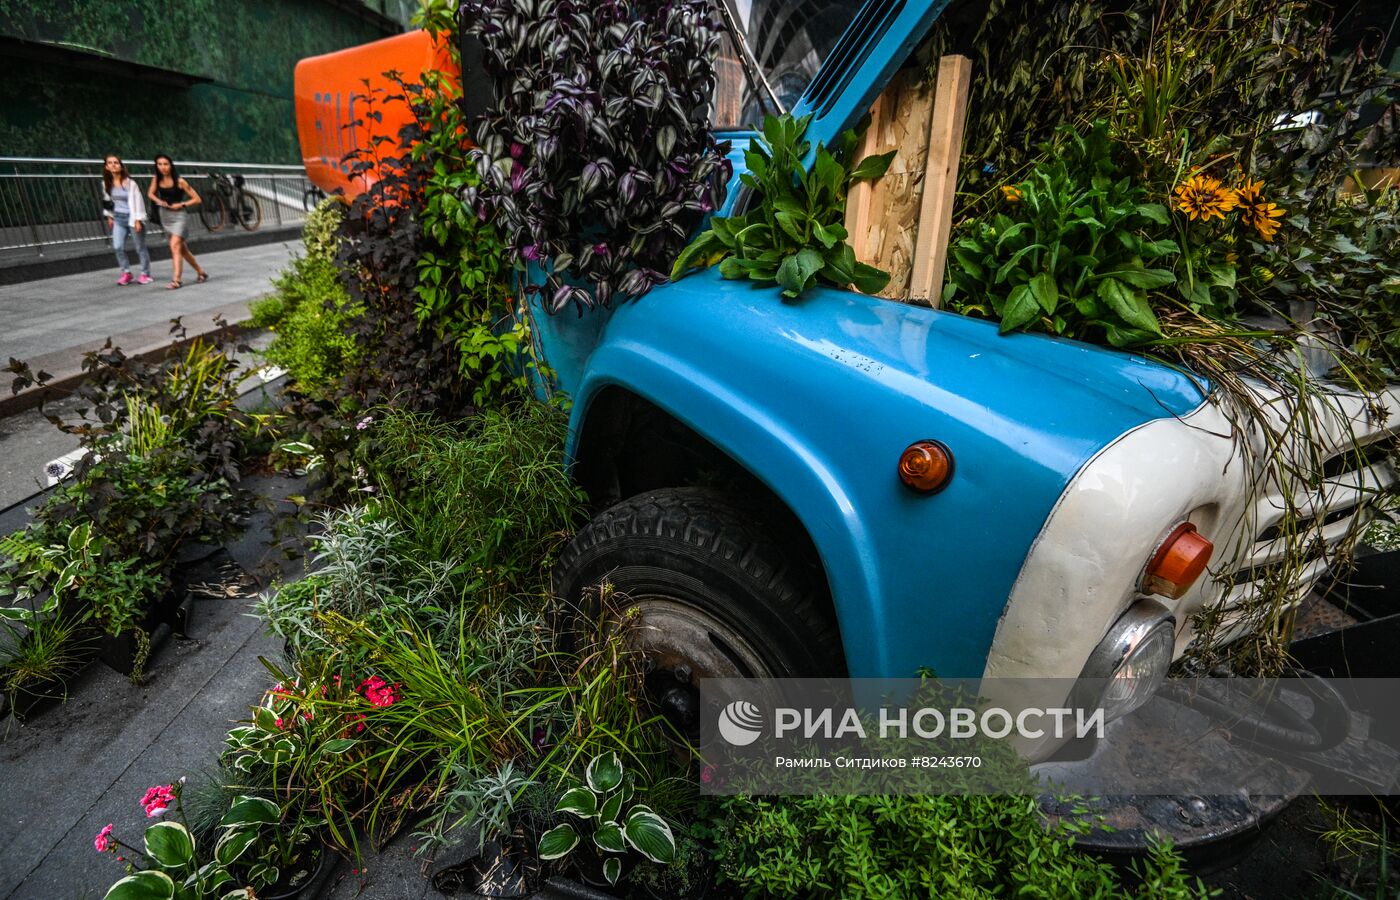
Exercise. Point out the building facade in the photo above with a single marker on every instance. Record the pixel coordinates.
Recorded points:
(197, 79)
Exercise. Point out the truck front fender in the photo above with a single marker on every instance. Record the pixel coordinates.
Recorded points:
(818, 398)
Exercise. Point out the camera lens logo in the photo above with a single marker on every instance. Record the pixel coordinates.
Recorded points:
(740, 723)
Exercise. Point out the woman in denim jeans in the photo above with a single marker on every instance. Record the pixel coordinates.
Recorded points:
(126, 212)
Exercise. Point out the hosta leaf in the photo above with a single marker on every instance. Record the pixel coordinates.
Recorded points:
(251, 810)
(649, 835)
(579, 801)
(169, 844)
(611, 808)
(604, 772)
(557, 842)
(148, 885)
(612, 869)
(232, 845)
(609, 837)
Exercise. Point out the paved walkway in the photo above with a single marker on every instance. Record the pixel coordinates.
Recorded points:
(54, 320)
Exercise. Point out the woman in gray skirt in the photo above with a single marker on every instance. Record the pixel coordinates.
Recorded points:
(174, 195)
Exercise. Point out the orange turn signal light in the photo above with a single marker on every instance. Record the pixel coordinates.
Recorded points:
(1178, 562)
(926, 467)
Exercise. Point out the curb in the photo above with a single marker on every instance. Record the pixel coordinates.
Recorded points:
(101, 256)
(65, 366)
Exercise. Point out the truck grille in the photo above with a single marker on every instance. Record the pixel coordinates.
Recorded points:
(1292, 550)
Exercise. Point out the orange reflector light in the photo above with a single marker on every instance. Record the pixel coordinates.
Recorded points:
(1178, 562)
(926, 466)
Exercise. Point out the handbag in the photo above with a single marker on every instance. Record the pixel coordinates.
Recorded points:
(154, 215)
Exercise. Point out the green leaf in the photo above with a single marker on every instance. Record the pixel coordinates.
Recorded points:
(1154, 249)
(579, 801)
(1020, 310)
(1146, 279)
(604, 771)
(1131, 306)
(829, 235)
(872, 166)
(790, 225)
(232, 845)
(1154, 211)
(169, 844)
(797, 270)
(612, 869)
(649, 835)
(557, 842)
(265, 718)
(968, 263)
(1015, 259)
(1222, 275)
(868, 279)
(251, 810)
(611, 808)
(1046, 292)
(609, 837)
(148, 885)
(338, 745)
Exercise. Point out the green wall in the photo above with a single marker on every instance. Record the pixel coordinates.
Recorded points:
(246, 49)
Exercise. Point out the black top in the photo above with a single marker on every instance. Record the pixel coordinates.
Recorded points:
(170, 194)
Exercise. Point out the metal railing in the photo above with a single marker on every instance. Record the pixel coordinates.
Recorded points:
(47, 202)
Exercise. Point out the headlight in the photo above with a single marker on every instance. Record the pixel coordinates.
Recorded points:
(1128, 665)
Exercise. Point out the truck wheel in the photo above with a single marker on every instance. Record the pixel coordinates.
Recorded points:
(716, 596)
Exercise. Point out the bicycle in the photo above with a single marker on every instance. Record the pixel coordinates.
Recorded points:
(228, 200)
(311, 198)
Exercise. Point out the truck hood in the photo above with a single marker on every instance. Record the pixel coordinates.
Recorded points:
(1067, 398)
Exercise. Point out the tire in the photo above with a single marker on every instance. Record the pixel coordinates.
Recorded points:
(249, 211)
(211, 211)
(716, 596)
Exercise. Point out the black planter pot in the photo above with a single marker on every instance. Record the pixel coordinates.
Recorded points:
(306, 881)
(29, 700)
(120, 653)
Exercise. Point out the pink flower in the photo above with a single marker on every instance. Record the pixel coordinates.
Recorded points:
(707, 774)
(103, 841)
(379, 692)
(157, 799)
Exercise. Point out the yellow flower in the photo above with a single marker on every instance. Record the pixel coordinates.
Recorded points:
(1202, 197)
(1257, 213)
(1011, 193)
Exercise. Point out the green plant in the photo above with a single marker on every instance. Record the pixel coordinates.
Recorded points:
(311, 342)
(881, 846)
(794, 234)
(48, 651)
(485, 805)
(1076, 253)
(82, 576)
(611, 822)
(491, 495)
(596, 159)
(464, 271)
(267, 312)
(268, 845)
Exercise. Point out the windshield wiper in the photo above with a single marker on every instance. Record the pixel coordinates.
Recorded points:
(750, 62)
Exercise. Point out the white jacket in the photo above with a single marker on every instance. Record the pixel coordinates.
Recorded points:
(133, 200)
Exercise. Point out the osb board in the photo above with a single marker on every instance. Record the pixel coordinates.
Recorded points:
(883, 216)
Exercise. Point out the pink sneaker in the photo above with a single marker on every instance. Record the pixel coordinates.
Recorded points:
(144, 279)
(125, 279)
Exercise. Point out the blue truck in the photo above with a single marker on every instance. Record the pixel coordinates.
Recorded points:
(854, 485)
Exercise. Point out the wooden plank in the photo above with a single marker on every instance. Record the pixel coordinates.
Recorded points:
(858, 201)
(893, 227)
(941, 178)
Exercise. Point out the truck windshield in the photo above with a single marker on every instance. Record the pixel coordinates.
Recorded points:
(790, 40)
